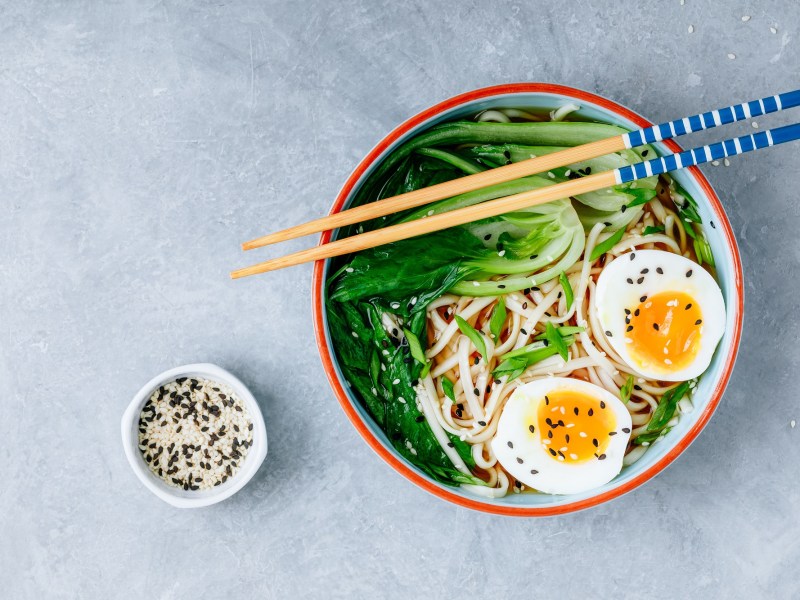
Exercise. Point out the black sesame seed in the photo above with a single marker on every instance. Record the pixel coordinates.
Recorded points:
(487, 237)
(623, 209)
(549, 421)
(419, 419)
(644, 271)
(626, 430)
(546, 343)
(602, 404)
(550, 434)
(546, 400)
(689, 273)
(531, 428)
(561, 454)
(601, 457)
(655, 326)
(612, 433)
(476, 360)
(523, 331)
(501, 286)
(627, 311)
(608, 334)
(510, 444)
(553, 452)
(629, 280)
(698, 321)
(476, 392)
(483, 424)
(567, 438)
(640, 280)
(688, 306)
(636, 312)
(645, 152)
(534, 257)
(659, 270)
(595, 443)
(524, 305)
(607, 223)
(637, 388)
(633, 254)
(576, 411)
(643, 298)
(534, 471)
(451, 445)
(630, 328)
(712, 224)
(591, 412)
(560, 423)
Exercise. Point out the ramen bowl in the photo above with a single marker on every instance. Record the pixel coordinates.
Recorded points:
(545, 97)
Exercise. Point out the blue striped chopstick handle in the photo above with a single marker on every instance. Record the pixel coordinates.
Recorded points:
(714, 118)
(704, 154)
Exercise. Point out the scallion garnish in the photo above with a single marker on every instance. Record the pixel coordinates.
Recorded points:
(626, 389)
(651, 229)
(607, 245)
(447, 386)
(475, 337)
(556, 341)
(498, 319)
(666, 407)
(568, 294)
(417, 352)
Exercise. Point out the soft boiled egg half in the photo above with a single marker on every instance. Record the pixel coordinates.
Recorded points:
(562, 436)
(661, 312)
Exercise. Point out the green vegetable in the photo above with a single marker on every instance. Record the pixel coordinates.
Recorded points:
(562, 279)
(517, 361)
(498, 319)
(606, 245)
(649, 438)
(417, 352)
(650, 229)
(475, 337)
(556, 341)
(640, 196)
(514, 367)
(666, 407)
(447, 386)
(566, 331)
(626, 389)
(469, 167)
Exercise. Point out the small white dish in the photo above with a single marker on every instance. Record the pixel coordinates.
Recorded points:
(187, 498)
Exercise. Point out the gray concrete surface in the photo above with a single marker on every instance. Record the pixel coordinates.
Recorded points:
(140, 142)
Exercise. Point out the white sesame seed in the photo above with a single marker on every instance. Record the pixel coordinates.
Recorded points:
(568, 172)
(396, 382)
(773, 30)
(726, 162)
(792, 423)
(745, 18)
(430, 212)
(754, 125)
(683, 2)
(570, 425)
(582, 434)
(413, 301)
(551, 175)
(355, 335)
(546, 442)
(501, 253)
(691, 28)
(731, 55)
(667, 361)
(475, 283)
(401, 400)
(395, 305)
(349, 269)
(573, 456)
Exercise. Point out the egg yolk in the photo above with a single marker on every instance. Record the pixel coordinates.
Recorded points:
(664, 330)
(574, 427)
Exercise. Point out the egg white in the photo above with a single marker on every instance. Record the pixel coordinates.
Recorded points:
(527, 453)
(614, 294)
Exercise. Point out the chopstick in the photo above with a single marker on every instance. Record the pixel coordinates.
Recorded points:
(539, 164)
(656, 166)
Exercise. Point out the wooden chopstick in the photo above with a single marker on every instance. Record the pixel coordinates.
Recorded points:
(531, 166)
(567, 189)
(440, 191)
(425, 225)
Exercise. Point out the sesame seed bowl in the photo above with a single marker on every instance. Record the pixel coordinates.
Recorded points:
(705, 396)
(194, 435)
